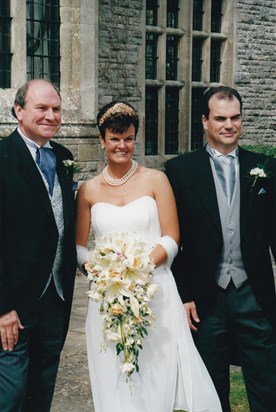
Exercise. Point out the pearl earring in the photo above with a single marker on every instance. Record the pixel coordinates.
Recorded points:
(102, 146)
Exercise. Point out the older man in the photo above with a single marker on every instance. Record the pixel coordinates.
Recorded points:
(37, 250)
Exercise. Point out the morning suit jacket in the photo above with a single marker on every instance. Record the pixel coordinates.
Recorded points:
(201, 244)
(28, 232)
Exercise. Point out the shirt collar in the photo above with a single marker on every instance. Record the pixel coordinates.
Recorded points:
(31, 143)
(216, 153)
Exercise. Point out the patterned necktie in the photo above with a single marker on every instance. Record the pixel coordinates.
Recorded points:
(46, 161)
(225, 168)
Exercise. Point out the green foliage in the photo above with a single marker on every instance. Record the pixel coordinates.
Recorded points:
(238, 398)
(268, 150)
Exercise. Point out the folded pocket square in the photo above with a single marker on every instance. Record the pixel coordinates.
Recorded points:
(261, 191)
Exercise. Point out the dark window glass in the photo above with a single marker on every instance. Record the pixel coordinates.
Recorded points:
(152, 12)
(5, 44)
(215, 60)
(151, 56)
(43, 43)
(196, 126)
(151, 121)
(216, 16)
(171, 120)
(197, 14)
(197, 59)
(172, 13)
(172, 58)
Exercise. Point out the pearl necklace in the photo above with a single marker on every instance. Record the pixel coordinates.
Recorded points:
(118, 182)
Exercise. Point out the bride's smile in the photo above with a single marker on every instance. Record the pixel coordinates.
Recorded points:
(119, 148)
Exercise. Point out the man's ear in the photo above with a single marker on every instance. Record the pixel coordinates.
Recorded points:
(204, 122)
(18, 111)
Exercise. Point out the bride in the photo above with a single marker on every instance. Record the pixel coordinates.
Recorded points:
(127, 197)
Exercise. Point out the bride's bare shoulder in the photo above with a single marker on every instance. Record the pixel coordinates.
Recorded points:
(156, 181)
(91, 187)
(153, 174)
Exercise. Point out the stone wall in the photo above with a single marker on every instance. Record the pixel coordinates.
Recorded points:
(119, 63)
(117, 58)
(119, 40)
(255, 69)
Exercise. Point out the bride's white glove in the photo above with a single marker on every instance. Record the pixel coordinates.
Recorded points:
(170, 246)
(82, 258)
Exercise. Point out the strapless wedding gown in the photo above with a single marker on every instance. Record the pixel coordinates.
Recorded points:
(172, 375)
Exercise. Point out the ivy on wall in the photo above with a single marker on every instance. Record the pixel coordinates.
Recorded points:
(268, 150)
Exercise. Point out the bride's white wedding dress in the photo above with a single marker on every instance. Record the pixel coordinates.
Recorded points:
(172, 374)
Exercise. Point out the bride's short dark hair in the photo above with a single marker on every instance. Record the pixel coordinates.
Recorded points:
(117, 116)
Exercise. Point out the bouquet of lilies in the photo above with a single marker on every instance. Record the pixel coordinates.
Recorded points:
(120, 270)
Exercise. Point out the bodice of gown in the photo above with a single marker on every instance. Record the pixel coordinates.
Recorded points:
(139, 217)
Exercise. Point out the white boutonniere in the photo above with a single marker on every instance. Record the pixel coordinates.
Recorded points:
(258, 172)
(71, 166)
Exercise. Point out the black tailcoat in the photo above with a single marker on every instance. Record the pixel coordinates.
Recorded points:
(28, 232)
(196, 265)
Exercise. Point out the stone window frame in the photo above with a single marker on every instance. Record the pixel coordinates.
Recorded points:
(5, 52)
(78, 63)
(43, 40)
(184, 82)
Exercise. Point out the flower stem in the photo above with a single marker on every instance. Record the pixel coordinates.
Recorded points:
(253, 184)
(123, 338)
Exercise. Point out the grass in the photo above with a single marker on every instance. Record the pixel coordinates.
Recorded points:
(238, 398)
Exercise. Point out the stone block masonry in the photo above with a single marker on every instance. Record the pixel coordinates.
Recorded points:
(119, 42)
(256, 68)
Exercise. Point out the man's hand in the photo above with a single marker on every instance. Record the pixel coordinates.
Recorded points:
(9, 329)
(191, 312)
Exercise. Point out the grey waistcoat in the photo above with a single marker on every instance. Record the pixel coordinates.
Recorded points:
(57, 206)
(231, 264)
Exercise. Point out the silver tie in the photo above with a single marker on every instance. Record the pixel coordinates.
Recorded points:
(225, 168)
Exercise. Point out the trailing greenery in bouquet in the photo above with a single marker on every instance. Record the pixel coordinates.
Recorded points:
(120, 272)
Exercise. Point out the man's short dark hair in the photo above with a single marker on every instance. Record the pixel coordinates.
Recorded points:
(222, 92)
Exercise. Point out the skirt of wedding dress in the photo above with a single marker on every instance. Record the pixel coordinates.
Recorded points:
(172, 375)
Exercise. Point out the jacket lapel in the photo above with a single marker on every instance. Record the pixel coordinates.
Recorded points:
(204, 183)
(65, 182)
(28, 170)
(247, 192)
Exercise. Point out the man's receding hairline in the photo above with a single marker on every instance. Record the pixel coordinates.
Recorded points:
(34, 81)
(223, 96)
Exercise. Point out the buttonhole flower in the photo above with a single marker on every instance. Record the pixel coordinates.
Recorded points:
(71, 166)
(258, 172)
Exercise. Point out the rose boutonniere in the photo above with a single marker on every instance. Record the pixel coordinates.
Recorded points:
(71, 166)
(258, 172)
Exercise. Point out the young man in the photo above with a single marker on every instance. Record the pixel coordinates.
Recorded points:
(227, 209)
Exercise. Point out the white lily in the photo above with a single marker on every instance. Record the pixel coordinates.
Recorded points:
(127, 368)
(119, 270)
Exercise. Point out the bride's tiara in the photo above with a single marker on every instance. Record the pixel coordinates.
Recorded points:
(117, 108)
